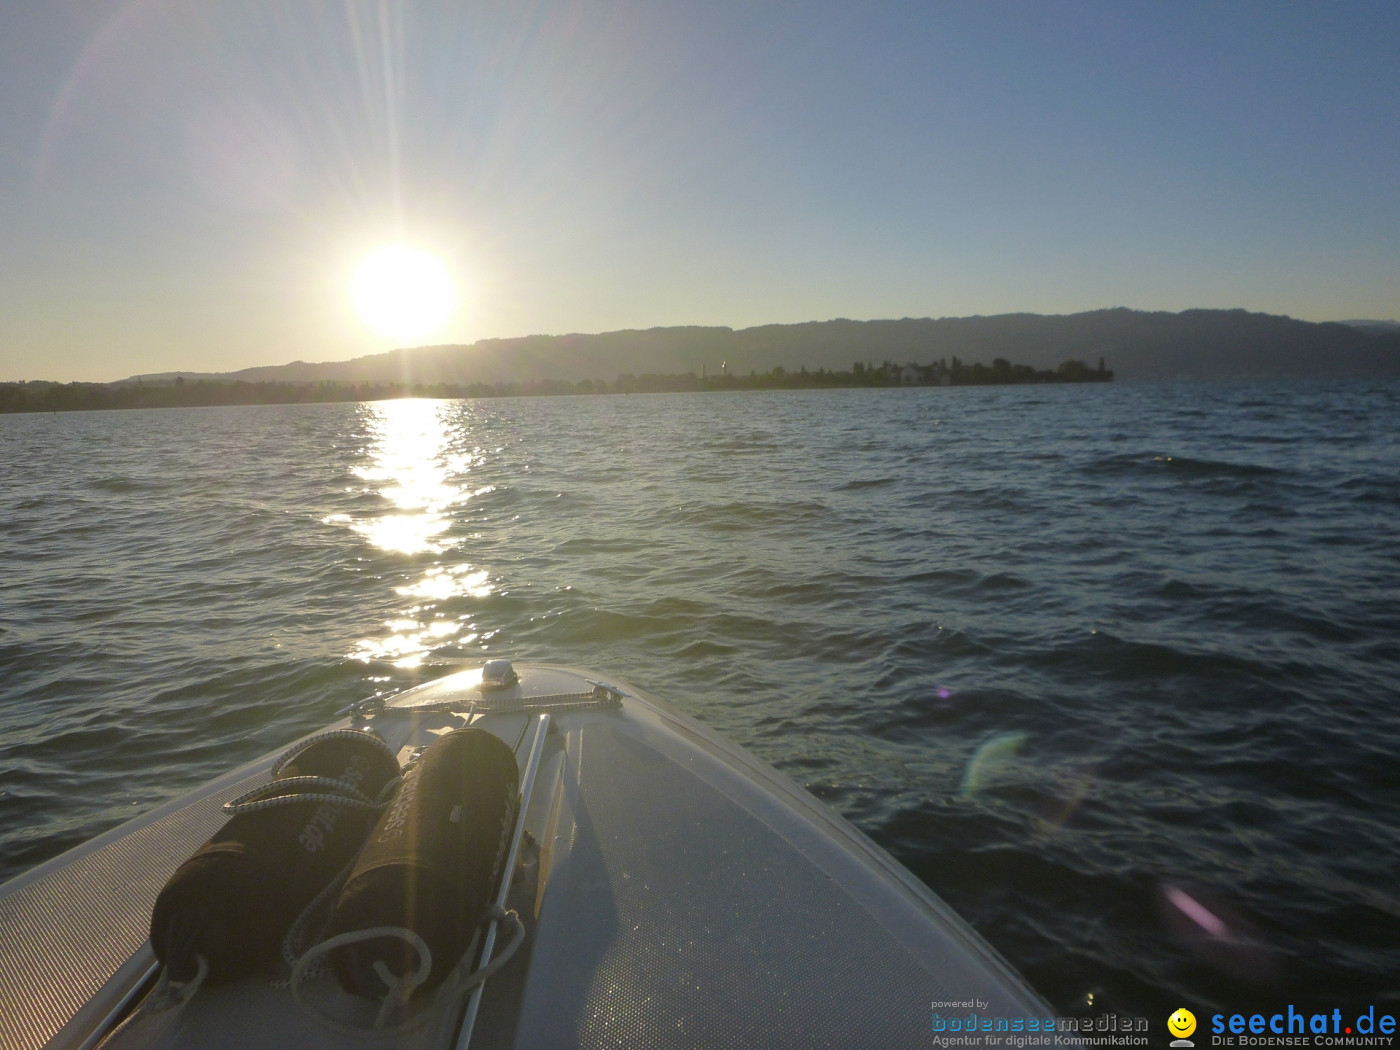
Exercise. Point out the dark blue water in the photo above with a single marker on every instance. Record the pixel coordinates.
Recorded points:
(1114, 670)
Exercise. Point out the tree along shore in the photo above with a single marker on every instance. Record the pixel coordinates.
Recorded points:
(41, 396)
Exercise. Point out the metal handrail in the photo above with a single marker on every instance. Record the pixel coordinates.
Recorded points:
(490, 705)
(527, 787)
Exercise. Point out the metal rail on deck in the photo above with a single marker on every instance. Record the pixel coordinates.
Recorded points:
(109, 1020)
(527, 787)
(600, 696)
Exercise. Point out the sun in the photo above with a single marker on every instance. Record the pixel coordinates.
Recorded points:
(402, 292)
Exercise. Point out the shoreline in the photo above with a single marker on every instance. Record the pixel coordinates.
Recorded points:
(41, 396)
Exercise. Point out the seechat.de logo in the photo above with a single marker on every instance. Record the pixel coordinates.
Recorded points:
(1181, 1024)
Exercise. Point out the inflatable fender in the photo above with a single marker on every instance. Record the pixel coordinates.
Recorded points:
(233, 901)
(431, 863)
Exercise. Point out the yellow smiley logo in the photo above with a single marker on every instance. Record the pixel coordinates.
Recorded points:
(1182, 1023)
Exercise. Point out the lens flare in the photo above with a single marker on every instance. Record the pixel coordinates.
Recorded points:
(1218, 935)
(991, 762)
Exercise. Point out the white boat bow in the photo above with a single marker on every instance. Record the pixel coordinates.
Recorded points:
(674, 892)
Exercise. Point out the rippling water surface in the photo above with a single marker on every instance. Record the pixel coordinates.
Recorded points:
(1114, 670)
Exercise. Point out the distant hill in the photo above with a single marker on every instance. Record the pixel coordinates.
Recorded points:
(1195, 344)
(1375, 327)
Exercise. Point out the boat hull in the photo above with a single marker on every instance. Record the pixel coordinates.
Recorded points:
(676, 892)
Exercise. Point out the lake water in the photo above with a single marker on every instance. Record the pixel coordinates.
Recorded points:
(1113, 669)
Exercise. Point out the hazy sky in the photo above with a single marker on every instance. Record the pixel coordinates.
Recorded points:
(190, 184)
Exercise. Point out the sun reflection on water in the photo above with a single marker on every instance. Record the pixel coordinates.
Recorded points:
(415, 469)
(411, 471)
(443, 582)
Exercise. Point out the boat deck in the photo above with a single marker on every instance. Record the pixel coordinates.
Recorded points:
(676, 893)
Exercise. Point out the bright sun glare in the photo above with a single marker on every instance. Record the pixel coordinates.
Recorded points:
(404, 293)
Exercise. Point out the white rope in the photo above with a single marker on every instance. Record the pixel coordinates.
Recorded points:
(333, 734)
(292, 943)
(457, 985)
(295, 790)
(452, 996)
(182, 992)
(250, 803)
(166, 995)
(343, 784)
(401, 989)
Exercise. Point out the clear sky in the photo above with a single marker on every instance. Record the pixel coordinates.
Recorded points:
(189, 184)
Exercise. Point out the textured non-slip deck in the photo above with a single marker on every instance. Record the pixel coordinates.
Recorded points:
(67, 927)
